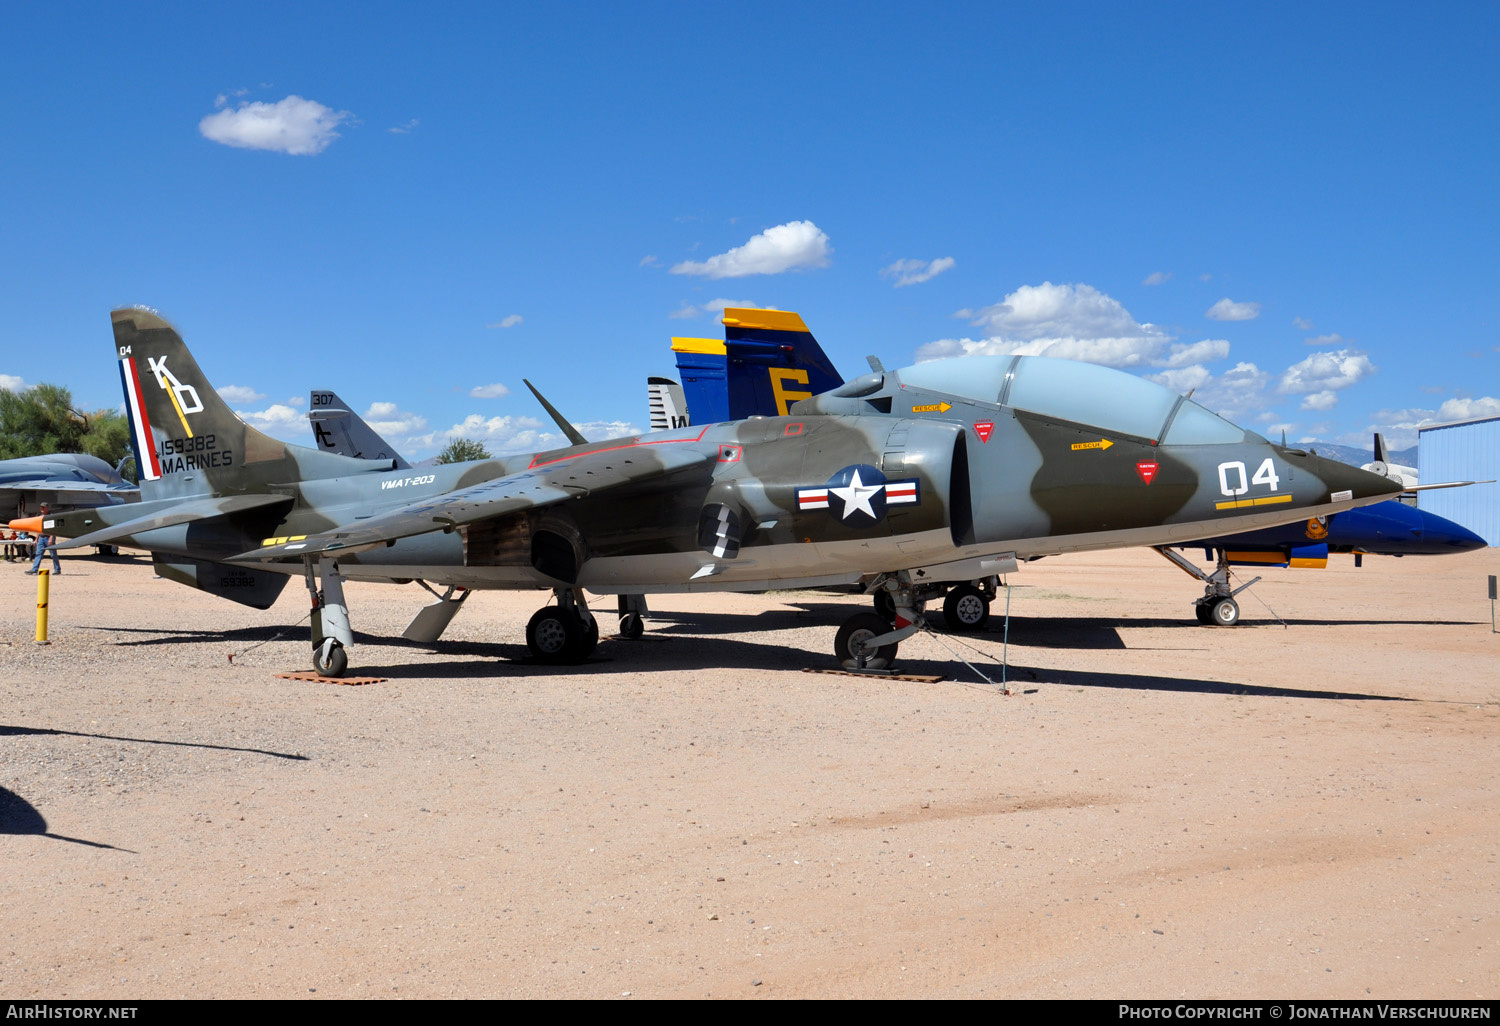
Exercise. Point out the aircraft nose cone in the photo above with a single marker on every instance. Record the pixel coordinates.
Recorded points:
(1359, 484)
(1440, 535)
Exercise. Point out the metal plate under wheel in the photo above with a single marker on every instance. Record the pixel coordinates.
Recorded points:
(317, 678)
(920, 678)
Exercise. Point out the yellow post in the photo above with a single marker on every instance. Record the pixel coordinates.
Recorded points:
(42, 577)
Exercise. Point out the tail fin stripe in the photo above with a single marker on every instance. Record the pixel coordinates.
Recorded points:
(140, 424)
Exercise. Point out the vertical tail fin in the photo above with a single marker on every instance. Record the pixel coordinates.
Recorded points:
(1380, 450)
(767, 361)
(337, 428)
(668, 404)
(187, 440)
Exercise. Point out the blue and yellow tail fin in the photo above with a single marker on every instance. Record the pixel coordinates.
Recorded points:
(767, 361)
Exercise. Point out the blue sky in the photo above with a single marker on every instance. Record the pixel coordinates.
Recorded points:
(1291, 209)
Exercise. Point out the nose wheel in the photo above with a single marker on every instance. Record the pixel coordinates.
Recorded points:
(851, 644)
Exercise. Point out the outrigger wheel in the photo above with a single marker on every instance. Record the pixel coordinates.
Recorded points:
(632, 626)
(966, 608)
(557, 635)
(858, 629)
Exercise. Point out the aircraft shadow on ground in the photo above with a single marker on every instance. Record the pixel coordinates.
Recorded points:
(18, 816)
(679, 644)
(10, 731)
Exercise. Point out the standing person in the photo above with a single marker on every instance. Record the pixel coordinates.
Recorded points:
(43, 543)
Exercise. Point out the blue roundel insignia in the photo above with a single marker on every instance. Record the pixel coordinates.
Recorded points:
(858, 495)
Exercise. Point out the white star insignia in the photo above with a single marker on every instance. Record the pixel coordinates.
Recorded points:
(856, 496)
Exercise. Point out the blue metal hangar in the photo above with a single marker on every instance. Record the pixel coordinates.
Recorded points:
(1464, 450)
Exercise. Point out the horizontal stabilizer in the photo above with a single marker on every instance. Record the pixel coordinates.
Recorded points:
(248, 586)
(178, 513)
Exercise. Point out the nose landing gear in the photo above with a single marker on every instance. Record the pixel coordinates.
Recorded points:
(868, 641)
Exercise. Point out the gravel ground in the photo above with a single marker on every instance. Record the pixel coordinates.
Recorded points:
(1299, 807)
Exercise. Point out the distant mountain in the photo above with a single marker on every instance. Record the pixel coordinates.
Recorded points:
(1355, 456)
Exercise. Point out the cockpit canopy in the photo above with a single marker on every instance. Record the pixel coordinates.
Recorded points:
(1083, 393)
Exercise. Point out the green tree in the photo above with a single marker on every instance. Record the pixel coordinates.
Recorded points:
(42, 420)
(463, 450)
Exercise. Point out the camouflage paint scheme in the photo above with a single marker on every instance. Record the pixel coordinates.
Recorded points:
(731, 506)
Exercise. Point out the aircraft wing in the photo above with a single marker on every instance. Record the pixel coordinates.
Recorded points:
(43, 483)
(541, 484)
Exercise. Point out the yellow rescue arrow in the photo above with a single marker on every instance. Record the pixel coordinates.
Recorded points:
(933, 408)
(1103, 443)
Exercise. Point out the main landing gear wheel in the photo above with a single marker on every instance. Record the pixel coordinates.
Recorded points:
(632, 626)
(555, 635)
(966, 609)
(330, 659)
(1224, 613)
(861, 628)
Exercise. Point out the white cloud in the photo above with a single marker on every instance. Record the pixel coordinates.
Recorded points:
(239, 394)
(509, 321)
(785, 247)
(11, 383)
(1325, 372)
(1327, 340)
(914, 272)
(1468, 409)
(1076, 322)
(1209, 349)
(1158, 278)
(1233, 394)
(649, 260)
(715, 306)
(404, 129)
(293, 125)
(1227, 309)
(1324, 400)
(394, 424)
(1184, 379)
(1302, 324)
(494, 391)
(277, 415)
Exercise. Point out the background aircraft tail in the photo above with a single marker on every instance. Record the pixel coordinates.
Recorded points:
(338, 429)
(767, 361)
(668, 404)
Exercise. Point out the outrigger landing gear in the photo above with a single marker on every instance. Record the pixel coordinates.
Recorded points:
(868, 641)
(331, 636)
(564, 633)
(1217, 607)
(632, 616)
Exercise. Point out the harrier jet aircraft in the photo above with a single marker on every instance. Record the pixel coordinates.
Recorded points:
(746, 374)
(1044, 456)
